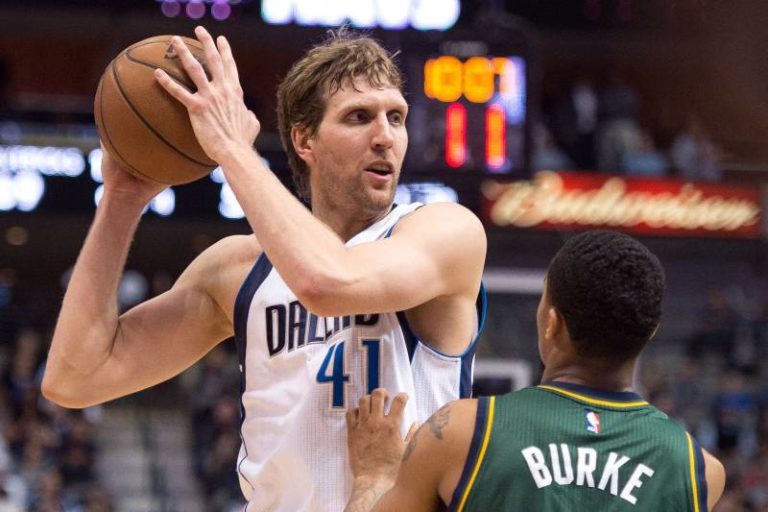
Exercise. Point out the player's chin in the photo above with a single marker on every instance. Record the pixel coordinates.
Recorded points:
(382, 197)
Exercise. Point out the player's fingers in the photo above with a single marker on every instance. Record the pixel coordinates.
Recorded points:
(412, 431)
(228, 60)
(174, 88)
(378, 399)
(212, 57)
(398, 406)
(351, 418)
(365, 407)
(193, 68)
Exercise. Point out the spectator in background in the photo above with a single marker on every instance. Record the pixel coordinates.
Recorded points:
(735, 412)
(546, 155)
(645, 161)
(574, 120)
(694, 155)
(717, 326)
(755, 481)
(617, 131)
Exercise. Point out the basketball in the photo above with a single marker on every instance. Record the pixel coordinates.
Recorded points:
(146, 130)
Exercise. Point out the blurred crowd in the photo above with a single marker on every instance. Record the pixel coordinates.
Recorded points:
(214, 392)
(714, 383)
(47, 453)
(718, 388)
(586, 126)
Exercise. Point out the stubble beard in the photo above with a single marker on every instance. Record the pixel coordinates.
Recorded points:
(354, 192)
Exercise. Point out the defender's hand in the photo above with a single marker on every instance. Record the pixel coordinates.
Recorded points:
(218, 114)
(373, 438)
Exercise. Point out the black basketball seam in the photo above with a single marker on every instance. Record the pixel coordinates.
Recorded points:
(109, 139)
(149, 126)
(179, 79)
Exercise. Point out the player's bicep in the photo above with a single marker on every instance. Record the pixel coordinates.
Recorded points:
(158, 339)
(436, 252)
(163, 336)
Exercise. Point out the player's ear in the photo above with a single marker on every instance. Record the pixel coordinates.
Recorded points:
(554, 323)
(302, 143)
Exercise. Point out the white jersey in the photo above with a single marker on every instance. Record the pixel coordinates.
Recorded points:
(302, 372)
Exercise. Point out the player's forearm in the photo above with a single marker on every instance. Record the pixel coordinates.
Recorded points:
(306, 252)
(88, 320)
(366, 492)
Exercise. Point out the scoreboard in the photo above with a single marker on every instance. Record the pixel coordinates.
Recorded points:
(469, 108)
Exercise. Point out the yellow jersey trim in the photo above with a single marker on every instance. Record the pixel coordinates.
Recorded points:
(692, 461)
(481, 456)
(595, 401)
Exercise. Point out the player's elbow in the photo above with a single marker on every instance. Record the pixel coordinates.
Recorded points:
(63, 394)
(321, 293)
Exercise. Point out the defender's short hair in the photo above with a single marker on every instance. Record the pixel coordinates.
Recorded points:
(608, 287)
(326, 68)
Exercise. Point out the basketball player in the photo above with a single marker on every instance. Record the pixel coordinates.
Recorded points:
(325, 306)
(582, 440)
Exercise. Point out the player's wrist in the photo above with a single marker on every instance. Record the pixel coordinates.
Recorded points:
(230, 154)
(125, 202)
(382, 481)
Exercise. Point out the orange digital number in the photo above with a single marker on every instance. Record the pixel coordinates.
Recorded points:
(478, 79)
(447, 79)
(443, 78)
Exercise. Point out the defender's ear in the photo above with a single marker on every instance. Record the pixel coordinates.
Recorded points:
(554, 323)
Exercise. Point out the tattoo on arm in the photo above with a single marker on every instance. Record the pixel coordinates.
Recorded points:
(364, 498)
(411, 446)
(438, 421)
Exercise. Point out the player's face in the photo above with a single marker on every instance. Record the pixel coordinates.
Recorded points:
(358, 149)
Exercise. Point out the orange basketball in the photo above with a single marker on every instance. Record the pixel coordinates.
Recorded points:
(142, 126)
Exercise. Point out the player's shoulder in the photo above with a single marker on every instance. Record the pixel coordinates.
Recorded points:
(226, 263)
(245, 247)
(457, 419)
(442, 219)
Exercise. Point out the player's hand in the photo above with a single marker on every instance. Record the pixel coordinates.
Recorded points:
(218, 114)
(374, 440)
(121, 184)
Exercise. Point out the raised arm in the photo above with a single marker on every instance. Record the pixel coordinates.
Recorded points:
(97, 355)
(437, 251)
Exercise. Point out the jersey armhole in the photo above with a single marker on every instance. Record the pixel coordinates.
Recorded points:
(697, 475)
(477, 448)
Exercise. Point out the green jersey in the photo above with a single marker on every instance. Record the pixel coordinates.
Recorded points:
(561, 446)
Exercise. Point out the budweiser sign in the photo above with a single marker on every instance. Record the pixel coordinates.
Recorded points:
(663, 207)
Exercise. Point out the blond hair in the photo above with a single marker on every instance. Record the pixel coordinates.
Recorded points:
(326, 68)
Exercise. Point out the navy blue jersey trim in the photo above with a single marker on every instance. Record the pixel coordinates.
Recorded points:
(258, 274)
(701, 477)
(474, 452)
(395, 205)
(468, 357)
(256, 277)
(411, 340)
(616, 396)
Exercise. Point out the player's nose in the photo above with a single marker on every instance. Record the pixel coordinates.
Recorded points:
(382, 135)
